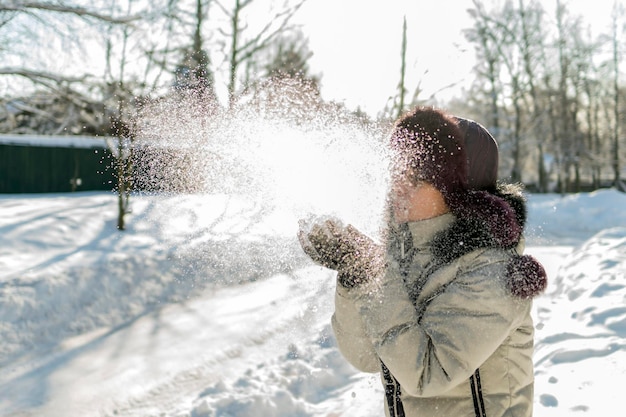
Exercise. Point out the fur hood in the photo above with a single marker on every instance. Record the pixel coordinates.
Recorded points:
(499, 222)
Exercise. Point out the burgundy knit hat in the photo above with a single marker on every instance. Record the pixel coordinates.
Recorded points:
(428, 146)
(482, 155)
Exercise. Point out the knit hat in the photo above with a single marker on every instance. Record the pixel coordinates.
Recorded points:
(482, 155)
(428, 146)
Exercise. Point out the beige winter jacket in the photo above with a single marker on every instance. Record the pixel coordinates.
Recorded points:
(461, 347)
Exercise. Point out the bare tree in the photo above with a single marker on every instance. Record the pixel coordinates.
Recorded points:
(29, 71)
(542, 77)
(243, 43)
(488, 64)
(57, 105)
(401, 85)
(25, 6)
(194, 74)
(99, 100)
(120, 95)
(397, 103)
(499, 35)
(532, 50)
(616, 33)
(131, 75)
(571, 51)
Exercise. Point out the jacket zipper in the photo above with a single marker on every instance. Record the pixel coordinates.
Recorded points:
(477, 394)
(393, 393)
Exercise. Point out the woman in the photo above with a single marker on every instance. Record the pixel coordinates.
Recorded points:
(442, 310)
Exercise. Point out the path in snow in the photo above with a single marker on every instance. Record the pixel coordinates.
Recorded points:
(164, 358)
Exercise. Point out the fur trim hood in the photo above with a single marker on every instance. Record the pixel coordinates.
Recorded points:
(489, 220)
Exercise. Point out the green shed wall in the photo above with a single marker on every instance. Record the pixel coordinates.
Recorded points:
(36, 169)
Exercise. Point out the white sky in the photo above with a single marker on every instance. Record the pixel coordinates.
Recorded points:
(367, 73)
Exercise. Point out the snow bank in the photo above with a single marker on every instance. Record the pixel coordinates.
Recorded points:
(581, 330)
(571, 219)
(292, 384)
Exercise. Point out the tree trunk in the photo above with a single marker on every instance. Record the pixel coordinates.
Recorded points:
(232, 80)
(122, 198)
(616, 101)
(401, 86)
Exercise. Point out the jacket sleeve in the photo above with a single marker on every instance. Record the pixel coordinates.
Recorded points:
(352, 340)
(459, 329)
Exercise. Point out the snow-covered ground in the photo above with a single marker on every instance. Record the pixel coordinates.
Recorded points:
(206, 307)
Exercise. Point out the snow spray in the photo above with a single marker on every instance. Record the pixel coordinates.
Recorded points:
(281, 146)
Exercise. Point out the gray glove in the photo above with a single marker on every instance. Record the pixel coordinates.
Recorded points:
(353, 254)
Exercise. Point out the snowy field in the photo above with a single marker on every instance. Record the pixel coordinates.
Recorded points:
(206, 307)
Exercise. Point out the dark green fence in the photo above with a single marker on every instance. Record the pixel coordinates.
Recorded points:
(33, 168)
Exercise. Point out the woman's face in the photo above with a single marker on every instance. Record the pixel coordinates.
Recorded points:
(404, 195)
(416, 201)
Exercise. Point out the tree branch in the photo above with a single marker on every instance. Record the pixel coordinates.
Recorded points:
(24, 6)
(53, 82)
(34, 75)
(262, 39)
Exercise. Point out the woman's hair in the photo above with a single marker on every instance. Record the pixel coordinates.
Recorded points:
(482, 155)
